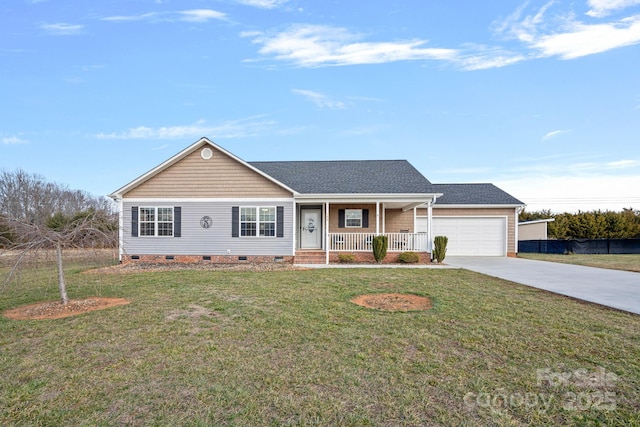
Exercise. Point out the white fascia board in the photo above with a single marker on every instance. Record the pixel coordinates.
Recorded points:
(209, 200)
(365, 197)
(436, 206)
(201, 142)
(537, 221)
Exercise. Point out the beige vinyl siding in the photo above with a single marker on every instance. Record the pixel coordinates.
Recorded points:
(218, 177)
(535, 231)
(510, 213)
(398, 220)
(333, 218)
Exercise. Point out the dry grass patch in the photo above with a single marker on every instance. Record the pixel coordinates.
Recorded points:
(393, 302)
(58, 310)
(626, 262)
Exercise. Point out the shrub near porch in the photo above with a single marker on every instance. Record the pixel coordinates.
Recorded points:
(367, 258)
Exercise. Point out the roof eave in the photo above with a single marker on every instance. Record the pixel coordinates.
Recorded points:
(119, 193)
(483, 205)
(537, 221)
(372, 196)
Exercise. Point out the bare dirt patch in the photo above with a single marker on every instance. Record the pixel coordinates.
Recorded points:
(394, 302)
(57, 310)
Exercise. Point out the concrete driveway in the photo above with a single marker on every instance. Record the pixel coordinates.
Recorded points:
(612, 288)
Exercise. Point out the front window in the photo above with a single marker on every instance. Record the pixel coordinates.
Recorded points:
(353, 218)
(258, 221)
(156, 222)
(165, 221)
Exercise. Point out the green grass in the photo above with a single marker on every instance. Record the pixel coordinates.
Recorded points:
(200, 348)
(629, 262)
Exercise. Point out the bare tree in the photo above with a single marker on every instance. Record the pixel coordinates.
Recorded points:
(35, 214)
(89, 229)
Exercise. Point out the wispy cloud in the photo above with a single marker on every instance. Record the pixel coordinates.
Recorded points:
(588, 39)
(62, 29)
(546, 35)
(475, 57)
(623, 164)
(553, 134)
(573, 167)
(321, 100)
(250, 126)
(11, 140)
(321, 45)
(539, 33)
(602, 8)
(160, 148)
(263, 4)
(192, 15)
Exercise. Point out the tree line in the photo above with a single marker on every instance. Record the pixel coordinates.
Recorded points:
(589, 225)
(31, 208)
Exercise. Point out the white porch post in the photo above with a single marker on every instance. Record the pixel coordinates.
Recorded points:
(415, 220)
(384, 219)
(296, 212)
(430, 223)
(377, 218)
(326, 232)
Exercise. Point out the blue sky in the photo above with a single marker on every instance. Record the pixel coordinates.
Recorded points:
(540, 98)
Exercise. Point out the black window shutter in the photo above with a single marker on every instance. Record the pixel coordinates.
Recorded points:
(235, 221)
(365, 218)
(134, 221)
(341, 218)
(280, 221)
(177, 221)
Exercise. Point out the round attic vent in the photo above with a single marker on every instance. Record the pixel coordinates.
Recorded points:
(206, 153)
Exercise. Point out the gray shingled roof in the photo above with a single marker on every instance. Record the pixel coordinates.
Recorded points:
(348, 177)
(473, 194)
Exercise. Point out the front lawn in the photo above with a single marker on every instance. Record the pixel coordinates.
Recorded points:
(201, 348)
(629, 262)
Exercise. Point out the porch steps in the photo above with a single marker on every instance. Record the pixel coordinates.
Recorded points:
(310, 257)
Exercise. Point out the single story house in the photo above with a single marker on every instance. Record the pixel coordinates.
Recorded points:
(206, 204)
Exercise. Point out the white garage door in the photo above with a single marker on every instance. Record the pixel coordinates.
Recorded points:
(473, 236)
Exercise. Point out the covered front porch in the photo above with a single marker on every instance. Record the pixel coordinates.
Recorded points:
(325, 229)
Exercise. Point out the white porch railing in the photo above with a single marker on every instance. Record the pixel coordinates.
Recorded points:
(363, 242)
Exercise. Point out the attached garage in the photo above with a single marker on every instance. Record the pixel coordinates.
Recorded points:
(472, 235)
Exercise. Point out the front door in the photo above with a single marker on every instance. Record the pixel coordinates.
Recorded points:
(310, 229)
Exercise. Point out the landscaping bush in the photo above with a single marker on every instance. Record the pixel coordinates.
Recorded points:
(346, 258)
(440, 248)
(409, 258)
(380, 248)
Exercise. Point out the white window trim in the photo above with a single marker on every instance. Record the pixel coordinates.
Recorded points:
(155, 221)
(258, 222)
(346, 218)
